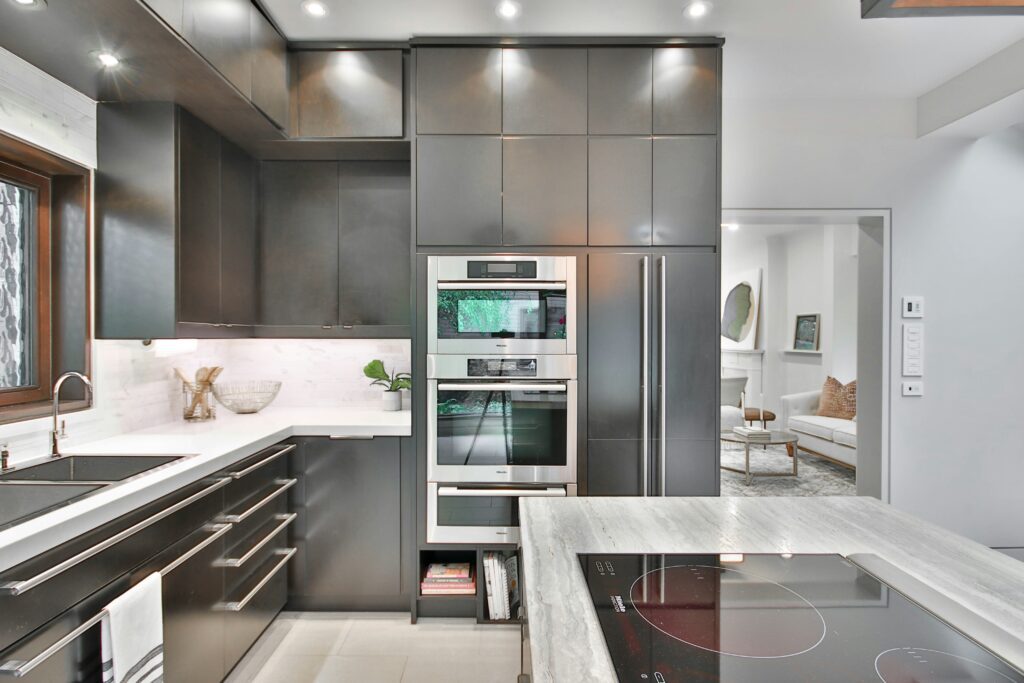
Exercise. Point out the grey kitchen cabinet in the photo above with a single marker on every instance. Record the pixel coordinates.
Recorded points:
(220, 32)
(692, 467)
(163, 203)
(619, 196)
(615, 467)
(544, 91)
(168, 10)
(544, 190)
(686, 198)
(686, 90)
(349, 532)
(238, 238)
(458, 91)
(620, 90)
(458, 190)
(349, 94)
(269, 54)
(299, 250)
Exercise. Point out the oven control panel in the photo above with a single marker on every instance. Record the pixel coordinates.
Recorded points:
(501, 367)
(501, 269)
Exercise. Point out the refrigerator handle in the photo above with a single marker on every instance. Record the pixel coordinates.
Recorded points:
(662, 370)
(645, 373)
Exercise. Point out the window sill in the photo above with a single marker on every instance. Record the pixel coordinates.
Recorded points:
(32, 411)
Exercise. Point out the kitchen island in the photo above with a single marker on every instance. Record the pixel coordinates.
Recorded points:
(565, 638)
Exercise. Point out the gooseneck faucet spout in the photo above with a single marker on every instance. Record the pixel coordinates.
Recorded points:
(57, 432)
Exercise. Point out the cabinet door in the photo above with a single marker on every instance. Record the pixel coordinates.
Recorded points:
(239, 258)
(619, 197)
(219, 31)
(199, 251)
(350, 94)
(299, 243)
(617, 294)
(620, 82)
(686, 100)
(458, 191)
(691, 467)
(544, 193)
(349, 531)
(168, 10)
(269, 69)
(544, 91)
(686, 210)
(374, 236)
(458, 90)
(615, 467)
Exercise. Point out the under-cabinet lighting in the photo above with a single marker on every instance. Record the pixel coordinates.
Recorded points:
(731, 557)
(731, 227)
(165, 348)
(698, 9)
(507, 9)
(315, 8)
(108, 59)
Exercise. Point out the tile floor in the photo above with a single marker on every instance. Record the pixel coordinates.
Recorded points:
(380, 648)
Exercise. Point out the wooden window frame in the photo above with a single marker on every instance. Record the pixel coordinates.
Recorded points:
(43, 329)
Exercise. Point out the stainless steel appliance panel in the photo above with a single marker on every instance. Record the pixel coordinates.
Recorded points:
(480, 514)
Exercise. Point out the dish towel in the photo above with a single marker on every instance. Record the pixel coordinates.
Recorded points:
(133, 635)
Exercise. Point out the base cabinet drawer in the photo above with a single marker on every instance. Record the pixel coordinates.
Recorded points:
(254, 605)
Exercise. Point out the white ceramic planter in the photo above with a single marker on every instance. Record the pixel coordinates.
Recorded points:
(392, 400)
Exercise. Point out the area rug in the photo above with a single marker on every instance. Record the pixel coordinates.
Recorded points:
(818, 477)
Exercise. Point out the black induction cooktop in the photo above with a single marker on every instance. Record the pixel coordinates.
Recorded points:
(772, 619)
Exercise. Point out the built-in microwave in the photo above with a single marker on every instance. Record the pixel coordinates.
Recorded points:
(501, 304)
(471, 513)
(501, 419)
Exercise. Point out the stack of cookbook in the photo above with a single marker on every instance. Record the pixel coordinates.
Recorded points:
(501, 574)
(448, 578)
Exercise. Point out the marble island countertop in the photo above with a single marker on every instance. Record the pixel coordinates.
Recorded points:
(566, 642)
(209, 446)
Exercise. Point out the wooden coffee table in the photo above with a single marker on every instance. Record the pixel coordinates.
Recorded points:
(776, 438)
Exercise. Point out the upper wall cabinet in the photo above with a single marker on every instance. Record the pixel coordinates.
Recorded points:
(269, 69)
(544, 190)
(620, 86)
(545, 91)
(686, 91)
(349, 94)
(458, 190)
(220, 32)
(458, 90)
(686, 210)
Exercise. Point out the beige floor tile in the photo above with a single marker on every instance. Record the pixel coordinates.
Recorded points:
(424, 669)
(315, 636)
(376, 669)
(289, 669)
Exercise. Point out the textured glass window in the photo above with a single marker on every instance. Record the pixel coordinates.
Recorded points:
(17, 259)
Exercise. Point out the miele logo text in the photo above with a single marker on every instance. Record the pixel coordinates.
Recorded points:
(617, 604)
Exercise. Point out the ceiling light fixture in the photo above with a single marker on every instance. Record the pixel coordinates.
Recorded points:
(507, 9)
(108, 59)
(30, 3)
(698, 9)
(315, 8)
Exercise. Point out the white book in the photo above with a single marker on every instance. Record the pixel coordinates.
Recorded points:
(503, 583)
(512, 569)
(489, 583)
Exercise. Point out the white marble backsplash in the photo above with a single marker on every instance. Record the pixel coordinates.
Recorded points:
(136, 387)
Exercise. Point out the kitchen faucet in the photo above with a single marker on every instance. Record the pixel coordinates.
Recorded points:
(58, 432)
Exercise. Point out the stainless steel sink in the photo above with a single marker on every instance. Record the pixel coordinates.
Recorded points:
(19, 501)
(89, 468)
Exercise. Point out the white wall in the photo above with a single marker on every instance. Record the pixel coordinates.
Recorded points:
(957, 239)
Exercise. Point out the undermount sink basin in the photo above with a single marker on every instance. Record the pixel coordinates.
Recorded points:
(20, 501)
(89, 468)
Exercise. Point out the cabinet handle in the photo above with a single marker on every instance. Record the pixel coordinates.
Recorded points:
(20, 668)
(252, 468)
(285, 555)
(497, 386)
(501, 285)
(19, 587)
(284, 520)
(284, 485)
(457, 492)
(645, 371)
(662, 374)
(351, 437)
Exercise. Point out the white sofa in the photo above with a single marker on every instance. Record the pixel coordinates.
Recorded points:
(831, 437)
(732, 391)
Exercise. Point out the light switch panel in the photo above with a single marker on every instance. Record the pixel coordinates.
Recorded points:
(913, 350)
(913, 307)
(913, 388)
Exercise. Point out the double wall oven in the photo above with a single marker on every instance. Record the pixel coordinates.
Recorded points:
(502, 393)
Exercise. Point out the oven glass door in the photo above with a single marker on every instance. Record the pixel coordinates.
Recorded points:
(502, 424)
(470, 312)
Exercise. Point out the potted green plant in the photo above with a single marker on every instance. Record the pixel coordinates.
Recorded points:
(393, 383)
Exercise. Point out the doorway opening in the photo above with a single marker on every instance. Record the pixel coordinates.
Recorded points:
(805, 352)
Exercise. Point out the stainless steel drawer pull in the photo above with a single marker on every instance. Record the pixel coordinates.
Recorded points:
(455, 491)
(284, 520)
(19, 587)
(285, 555)
(351, 437)
(252, 468)
(283, 485)
(19, 668)
(502, 284)
(497, 386)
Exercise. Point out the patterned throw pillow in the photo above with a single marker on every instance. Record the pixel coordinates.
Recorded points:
(838, 400)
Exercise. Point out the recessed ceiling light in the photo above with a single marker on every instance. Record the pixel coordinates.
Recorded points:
(108, 59)
(698, 9)
(315, 8)
(507, 9)
(30, 3)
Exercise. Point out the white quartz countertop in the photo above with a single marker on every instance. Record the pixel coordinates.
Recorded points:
(210, 446)
(566, 641)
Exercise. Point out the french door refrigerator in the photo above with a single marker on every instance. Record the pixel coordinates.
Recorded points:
(653, 374)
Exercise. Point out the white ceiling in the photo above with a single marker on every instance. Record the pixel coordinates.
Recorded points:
(781, 48)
